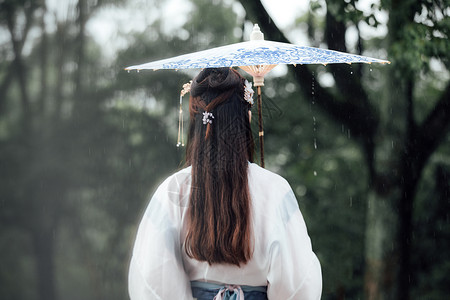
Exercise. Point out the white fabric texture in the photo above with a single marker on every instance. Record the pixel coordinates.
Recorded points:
(282, 259)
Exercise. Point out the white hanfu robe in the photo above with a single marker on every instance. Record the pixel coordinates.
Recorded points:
(282, 260)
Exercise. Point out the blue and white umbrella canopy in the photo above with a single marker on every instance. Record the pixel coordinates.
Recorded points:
(257, 52)
(256, 56)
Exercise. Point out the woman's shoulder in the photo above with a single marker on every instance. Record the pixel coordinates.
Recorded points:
(272, 195)
(264, 178)
(176, 188)
(179, 176)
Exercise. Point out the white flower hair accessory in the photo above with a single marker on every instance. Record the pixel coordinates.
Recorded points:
(207, 117)
(186, 88)
(248, 92)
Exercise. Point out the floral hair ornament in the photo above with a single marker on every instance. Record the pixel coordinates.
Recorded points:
(186, 89)
(207, 118)
(248, 92)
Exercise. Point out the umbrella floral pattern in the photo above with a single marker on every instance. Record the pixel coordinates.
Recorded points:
(259, 52)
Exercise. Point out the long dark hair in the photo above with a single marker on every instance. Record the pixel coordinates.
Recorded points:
(219, 207)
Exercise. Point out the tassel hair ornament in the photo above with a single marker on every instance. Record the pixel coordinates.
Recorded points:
(186, 89)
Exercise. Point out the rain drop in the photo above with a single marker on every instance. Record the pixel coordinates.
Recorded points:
(315, 173)
(351, 72)
(128, 71)
(315, 143)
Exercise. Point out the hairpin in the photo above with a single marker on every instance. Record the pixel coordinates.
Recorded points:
(186, 89)
(248, 92)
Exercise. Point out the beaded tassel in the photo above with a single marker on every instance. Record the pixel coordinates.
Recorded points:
(186, 89)
(180, 141)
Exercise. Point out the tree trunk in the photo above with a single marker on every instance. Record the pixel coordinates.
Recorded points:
(43, 242)
(381, 248)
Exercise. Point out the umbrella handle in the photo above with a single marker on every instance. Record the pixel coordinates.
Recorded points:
(261, 130)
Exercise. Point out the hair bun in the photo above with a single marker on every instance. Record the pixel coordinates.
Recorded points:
(218, 79)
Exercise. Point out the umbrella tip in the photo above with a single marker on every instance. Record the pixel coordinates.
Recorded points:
(256, 34)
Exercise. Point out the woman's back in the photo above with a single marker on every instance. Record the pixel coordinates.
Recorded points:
(282, 255)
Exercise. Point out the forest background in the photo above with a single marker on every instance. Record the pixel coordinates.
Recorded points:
(83, 144)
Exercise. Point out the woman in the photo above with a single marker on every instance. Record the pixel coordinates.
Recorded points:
(223, 227)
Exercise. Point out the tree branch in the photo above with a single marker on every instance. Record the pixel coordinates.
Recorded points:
(18, 63)
(80, 43)
(4, 86)
(349, 84)
(60, 56)
(43, 64)
(422, 141)
(435, 127)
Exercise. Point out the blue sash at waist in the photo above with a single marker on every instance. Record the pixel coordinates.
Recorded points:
(207, 291)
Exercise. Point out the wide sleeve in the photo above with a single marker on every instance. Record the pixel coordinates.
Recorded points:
(294, 271)
(156, 267)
